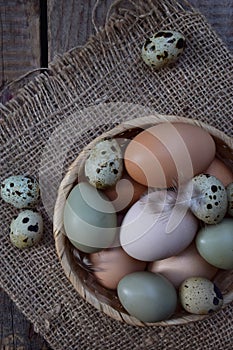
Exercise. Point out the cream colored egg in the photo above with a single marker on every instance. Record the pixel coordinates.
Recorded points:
(182, 266)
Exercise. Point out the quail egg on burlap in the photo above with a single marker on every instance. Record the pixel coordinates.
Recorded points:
(20, 191)
(163, 48)
(209, 202)
(104, 165)
(26, 229)
(200, 296)
(230, 198)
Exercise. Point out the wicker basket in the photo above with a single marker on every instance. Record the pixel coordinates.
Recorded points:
(82, 280)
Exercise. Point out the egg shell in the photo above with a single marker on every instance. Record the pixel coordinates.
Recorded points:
(163, 48)
(209, 202)
(147, 296)
(90, 220)
(150, 233)
(200, 296)
(219, 169)
(104, 164)
(20, 191)
(125, 193)
(111, 265)
(26, 229)
(215, 244)
(182, 266)
(229, 190)
(168, 153)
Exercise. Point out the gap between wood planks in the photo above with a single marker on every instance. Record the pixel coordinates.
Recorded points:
(44, 33)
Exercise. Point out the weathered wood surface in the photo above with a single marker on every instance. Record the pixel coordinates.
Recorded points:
(19, 38)
(69, 24)
(219, 14)
(16, 332)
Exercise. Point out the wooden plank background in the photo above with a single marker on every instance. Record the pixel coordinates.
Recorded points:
(31, 34)
(19, 38)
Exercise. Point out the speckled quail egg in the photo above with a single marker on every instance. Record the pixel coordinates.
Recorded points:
(209, 202)
(200, 296)
(26, 229)
(230, 198)
(104, 164)
(20, 191)
(163, 48)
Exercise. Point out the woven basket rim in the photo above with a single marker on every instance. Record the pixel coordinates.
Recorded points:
(66, 185)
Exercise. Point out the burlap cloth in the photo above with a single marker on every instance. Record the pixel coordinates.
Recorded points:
(107, 70)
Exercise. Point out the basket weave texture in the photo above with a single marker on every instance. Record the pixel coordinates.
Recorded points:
(86, 92)
(81, 278)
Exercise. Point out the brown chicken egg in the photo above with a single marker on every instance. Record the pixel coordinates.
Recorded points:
(125, 193)
(187, 264)
(219, 169)
(112, 264)
(168, 153)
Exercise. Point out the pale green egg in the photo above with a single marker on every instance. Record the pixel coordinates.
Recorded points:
(147, 296)
(215, 244)
(90, 220)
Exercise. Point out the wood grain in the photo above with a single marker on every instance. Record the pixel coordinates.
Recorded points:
(220, 15)
(71, 25)
(16, 332)
(19, 38)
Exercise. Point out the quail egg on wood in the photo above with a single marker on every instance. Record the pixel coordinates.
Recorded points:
(104, 165)
(26, 229)
(20, 191)
(209, 202)
(163, 48)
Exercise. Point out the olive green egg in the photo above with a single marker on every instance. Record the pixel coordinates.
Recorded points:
(90, 220)
(147, 296)
(215, 244)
